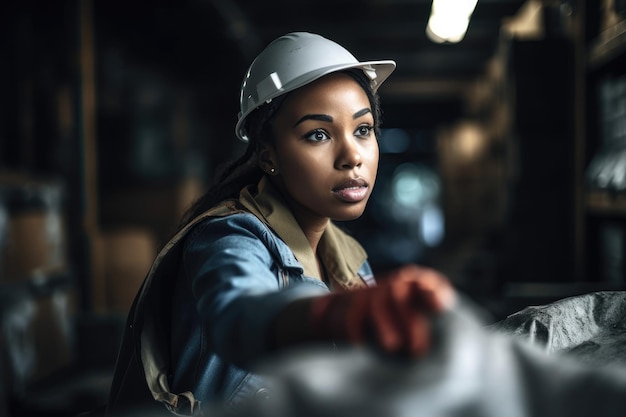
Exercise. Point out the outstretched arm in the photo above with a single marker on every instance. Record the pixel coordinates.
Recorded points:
(393, 316)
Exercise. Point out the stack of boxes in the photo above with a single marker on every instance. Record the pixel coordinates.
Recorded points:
(36, 288)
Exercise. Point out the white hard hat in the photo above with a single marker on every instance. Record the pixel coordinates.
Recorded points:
(294, 60)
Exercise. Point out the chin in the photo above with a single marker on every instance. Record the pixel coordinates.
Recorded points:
(349, 215)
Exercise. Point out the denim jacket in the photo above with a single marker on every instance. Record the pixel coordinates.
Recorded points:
(201, 318)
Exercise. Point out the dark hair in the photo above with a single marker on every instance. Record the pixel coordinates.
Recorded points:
(245, 170)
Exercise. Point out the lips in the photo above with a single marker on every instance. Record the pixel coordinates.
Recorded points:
(352, 191)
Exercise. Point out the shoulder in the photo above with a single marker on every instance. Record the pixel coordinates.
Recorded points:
(232, 225)
(236, 242)
(242, 232)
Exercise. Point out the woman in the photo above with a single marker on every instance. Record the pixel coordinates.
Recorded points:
(258, 265)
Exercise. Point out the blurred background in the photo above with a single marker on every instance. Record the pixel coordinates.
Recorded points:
(503, 156)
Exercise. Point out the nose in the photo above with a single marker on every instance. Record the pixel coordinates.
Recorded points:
(349, 153)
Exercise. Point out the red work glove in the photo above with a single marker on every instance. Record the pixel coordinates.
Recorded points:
(393, 315)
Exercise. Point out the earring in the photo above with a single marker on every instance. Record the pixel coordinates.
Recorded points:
(273, 171)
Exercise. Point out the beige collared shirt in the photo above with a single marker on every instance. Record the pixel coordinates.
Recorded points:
(341, 255)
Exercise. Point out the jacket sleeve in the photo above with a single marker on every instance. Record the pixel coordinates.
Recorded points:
(235, 281)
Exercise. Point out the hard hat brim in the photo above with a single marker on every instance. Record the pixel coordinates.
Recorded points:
(381, 69)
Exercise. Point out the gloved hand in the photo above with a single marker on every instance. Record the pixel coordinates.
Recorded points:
(393, 315)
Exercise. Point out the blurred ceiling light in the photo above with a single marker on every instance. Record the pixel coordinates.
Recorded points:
(449, 20)
(414, 186)
(470, 140)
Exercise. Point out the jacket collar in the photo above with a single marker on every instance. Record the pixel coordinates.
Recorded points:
(341, 254)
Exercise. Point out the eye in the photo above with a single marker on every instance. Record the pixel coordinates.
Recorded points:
(364, 130)
(317, 136)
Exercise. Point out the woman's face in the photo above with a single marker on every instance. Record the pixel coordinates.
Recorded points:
(325, 149)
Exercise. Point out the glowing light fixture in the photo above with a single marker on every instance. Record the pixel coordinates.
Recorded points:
(449, 20)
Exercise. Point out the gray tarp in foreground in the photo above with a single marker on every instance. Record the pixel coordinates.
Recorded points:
(472, 370)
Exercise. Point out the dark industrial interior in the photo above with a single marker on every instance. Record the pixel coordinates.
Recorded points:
(503, 157)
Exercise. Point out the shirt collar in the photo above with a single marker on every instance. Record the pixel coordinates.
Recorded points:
(341, 254)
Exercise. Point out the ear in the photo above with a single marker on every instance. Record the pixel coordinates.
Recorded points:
(266, 159)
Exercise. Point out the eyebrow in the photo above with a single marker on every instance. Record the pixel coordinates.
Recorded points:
(329, 119)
